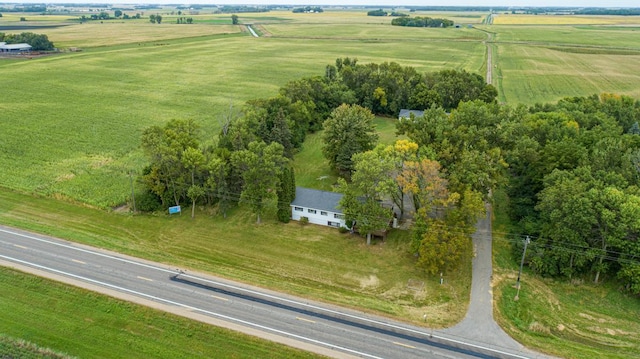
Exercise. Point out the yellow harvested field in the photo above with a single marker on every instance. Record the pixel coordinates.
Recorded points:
(524, 19)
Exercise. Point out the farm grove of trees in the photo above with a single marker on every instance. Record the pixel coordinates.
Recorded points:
(38, 42)
(421, 22)
(571, 170)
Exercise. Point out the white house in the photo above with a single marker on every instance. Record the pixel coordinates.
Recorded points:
(320, 207)
(14, 48)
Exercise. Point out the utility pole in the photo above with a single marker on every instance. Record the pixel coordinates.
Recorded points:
(526, 241)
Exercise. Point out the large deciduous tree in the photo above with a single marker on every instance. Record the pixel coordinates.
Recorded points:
(167, 175)
(260, 165)
(349, 130)
(370, 184)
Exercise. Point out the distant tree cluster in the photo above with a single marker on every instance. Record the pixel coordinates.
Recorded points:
(103, 15)
(307, 9)
(378, 12)
(421, 22)
(389, 87)
(155, 19)
(25, 8)
(399, 14)
(184, 20)
(603, 11)
(228, 9)
(38, 42)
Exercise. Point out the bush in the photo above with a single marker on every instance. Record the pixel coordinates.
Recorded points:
(147, 202)
(343, 229)
(304, 220)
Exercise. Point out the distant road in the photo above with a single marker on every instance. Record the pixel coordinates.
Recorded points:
(252, 31)
(325, 329)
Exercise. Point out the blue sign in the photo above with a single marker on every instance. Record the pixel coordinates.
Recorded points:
(174, 209)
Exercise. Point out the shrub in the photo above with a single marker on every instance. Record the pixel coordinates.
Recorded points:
(147, 202)
(304, 220)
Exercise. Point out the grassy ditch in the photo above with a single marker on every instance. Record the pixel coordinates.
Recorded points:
(88, 325)
(569, 319)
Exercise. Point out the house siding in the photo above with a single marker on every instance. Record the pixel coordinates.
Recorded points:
(317, 217)
(320, 207)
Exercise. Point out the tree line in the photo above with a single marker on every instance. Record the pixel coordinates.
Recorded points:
(571, 171)
(313, 9)
(38, 42)
(302, 106)
(421, 22)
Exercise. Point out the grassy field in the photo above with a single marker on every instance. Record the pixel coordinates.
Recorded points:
(75, 132)
(70, 126)
(606, 37)
(88, 325)
(526, 19)
(567, 319)
(530, 74)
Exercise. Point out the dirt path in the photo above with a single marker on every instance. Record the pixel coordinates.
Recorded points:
(478, 325)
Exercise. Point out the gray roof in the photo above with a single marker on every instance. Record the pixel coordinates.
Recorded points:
(316, 199)
(404, 113)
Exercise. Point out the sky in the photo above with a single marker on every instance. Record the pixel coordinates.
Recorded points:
(397, 3)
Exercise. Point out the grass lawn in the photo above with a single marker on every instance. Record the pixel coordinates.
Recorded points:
(566, 319)
(88, 325)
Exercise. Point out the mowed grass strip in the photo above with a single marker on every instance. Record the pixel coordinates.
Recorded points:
(535, 74)
(89, 325)
(569, 319)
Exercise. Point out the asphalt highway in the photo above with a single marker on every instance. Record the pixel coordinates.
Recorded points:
(318, 327)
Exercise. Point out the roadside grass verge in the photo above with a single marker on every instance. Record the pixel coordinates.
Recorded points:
(88, 325)
(569, 319)
(309, 261)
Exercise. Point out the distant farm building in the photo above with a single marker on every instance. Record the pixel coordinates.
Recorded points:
(14, 48)
(320, 207)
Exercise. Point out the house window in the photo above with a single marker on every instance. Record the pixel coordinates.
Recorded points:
(323, 213)
(299, 209)
(312, 211)
(338, 216)
(333, 224)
